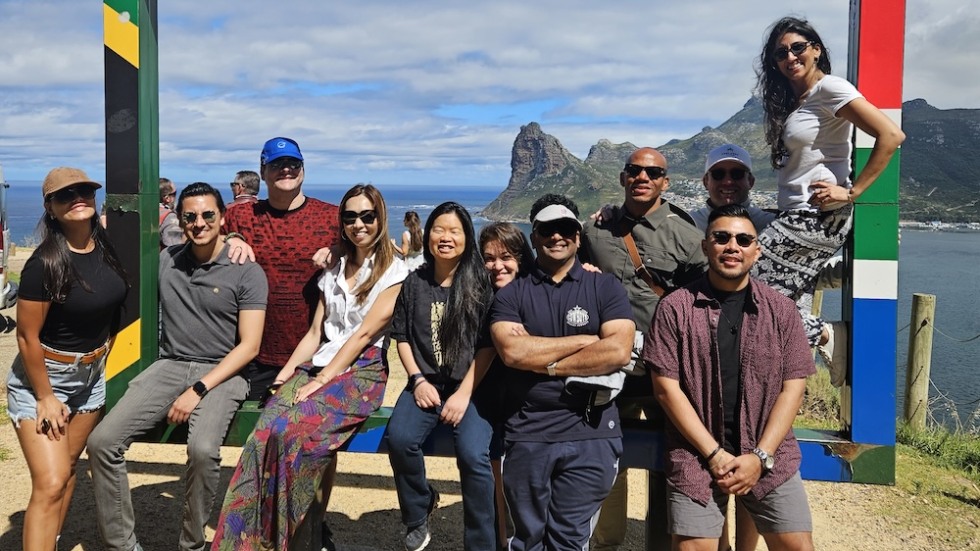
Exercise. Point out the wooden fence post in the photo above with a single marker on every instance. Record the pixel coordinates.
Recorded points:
(919, 360)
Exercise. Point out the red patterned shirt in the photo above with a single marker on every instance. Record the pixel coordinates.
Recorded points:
(682, 344)
(284, 243)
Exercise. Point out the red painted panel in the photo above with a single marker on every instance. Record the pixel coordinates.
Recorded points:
(881, 53)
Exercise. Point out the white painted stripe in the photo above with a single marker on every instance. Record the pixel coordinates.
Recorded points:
(876, 279)
(865, 141)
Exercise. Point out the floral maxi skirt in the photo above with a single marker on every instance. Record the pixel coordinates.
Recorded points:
(283, 461)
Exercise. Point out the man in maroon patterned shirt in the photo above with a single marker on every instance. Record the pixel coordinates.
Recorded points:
(730, 360)
(285, 231)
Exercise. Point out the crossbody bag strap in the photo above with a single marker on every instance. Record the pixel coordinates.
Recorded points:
(638, 264)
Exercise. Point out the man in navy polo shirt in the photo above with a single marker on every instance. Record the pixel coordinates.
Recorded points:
(562, 449)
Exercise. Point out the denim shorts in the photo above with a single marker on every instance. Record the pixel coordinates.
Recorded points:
(79, 386)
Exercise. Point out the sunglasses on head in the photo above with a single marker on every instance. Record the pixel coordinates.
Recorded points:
(565, 228)
(781, 53)
(69, 194)
(286, 162)
(209, 216)
(724, 237)
(349, 217)
(653, 172)
(735, 173)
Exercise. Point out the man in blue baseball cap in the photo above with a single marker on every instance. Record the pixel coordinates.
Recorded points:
(285, 231)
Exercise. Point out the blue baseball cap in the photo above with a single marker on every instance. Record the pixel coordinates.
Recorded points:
(280, 147)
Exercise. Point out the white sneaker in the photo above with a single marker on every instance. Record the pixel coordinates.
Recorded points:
(834, 352)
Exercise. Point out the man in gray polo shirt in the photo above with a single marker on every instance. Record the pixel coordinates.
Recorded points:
(213, 312)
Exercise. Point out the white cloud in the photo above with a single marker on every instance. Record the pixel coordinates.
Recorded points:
(421, 91)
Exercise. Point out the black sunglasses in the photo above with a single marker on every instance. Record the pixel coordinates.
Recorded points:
(735, 173)
(286, 162)
(349, 217)
(209, 216)
(724, 237)
(653, 172)
(780, 54)
(566, 228)
(69, 194)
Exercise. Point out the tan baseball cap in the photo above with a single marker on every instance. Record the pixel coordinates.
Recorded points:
(62, 177)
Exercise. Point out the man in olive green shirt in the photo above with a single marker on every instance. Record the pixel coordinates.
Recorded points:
(669, 246)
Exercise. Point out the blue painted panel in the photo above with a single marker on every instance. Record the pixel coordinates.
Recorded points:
(873, 342)
(819, 464)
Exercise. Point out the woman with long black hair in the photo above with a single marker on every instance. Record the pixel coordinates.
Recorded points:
(809, 118)
(437, 323)
(71, 292)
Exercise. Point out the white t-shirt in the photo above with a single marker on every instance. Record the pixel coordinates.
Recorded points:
(819, 143)
(343, 315)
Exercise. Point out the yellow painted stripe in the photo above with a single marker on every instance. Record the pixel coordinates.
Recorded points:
(125, 350)
(122, 37)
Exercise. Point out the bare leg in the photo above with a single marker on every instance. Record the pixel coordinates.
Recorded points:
(79, 427)
(789, 541)
(746, 535)
(682, 543)
(52, 467)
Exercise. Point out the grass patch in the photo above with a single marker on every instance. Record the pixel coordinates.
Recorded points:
(821, 404)
(952, 450)
(14, 277)
(935, 499)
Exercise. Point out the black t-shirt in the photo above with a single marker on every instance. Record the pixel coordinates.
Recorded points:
(729, 350)
(87, 317)
(416, 318)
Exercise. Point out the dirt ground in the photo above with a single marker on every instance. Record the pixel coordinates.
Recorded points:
(363, 510)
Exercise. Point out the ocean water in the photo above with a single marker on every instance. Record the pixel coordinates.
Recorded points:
(930, 262)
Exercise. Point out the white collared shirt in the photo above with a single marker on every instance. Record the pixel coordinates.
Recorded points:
(342, 314)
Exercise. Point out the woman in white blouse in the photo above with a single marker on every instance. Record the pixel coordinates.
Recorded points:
(332, 383)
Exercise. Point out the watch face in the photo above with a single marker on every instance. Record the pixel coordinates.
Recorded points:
(200, 389)
(769, 462)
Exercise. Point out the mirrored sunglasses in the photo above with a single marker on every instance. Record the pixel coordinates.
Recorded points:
(209, 216)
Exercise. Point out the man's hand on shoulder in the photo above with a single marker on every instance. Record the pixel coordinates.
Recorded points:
(239, 252)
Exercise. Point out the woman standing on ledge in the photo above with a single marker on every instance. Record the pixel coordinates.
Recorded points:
(810, 116)
(67, 312)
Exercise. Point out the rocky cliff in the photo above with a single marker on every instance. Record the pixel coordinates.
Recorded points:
(938, 182)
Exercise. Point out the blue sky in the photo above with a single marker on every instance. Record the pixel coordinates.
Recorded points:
(423, 91)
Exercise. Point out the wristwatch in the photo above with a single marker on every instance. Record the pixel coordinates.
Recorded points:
(768, 461)
(551, 368)
(200, 389)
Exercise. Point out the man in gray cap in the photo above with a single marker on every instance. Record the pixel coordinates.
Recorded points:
(728, 178)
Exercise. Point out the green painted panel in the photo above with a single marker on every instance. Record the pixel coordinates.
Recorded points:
(885, 188)
(876, 232)
(875, 465)
(126, 6)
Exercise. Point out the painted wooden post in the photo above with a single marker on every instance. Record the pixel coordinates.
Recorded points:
(871, 300)
(132, 188)
(919, 360)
